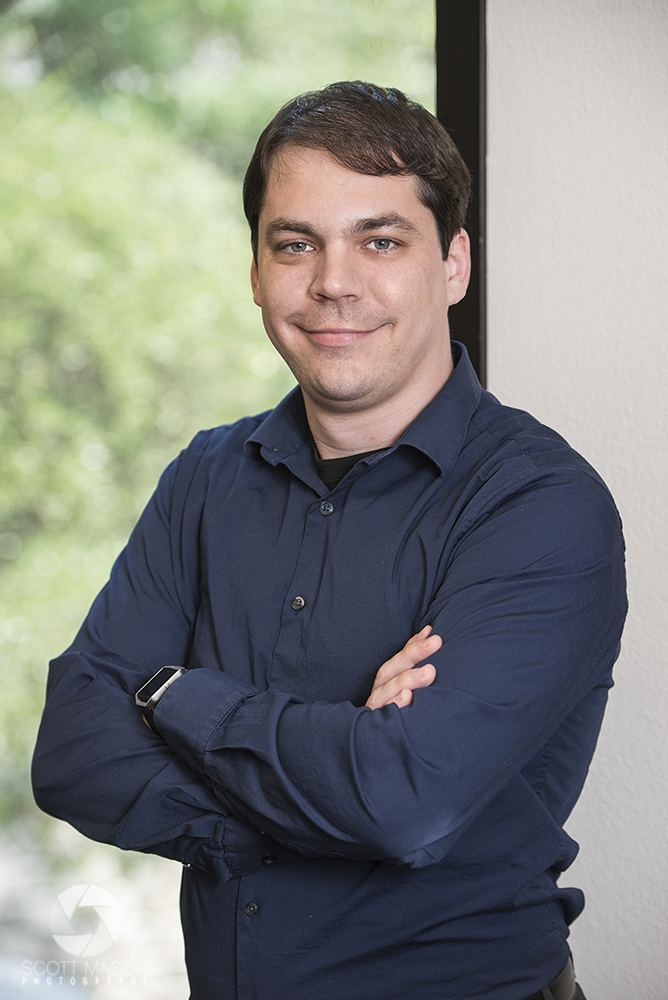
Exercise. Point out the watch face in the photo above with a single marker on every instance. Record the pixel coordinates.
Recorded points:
(146, 692)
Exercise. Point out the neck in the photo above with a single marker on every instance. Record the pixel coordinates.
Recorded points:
(338, 432)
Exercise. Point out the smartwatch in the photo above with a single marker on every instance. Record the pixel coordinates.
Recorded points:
(150, 693)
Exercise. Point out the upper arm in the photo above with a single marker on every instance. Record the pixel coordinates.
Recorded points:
(530, 613)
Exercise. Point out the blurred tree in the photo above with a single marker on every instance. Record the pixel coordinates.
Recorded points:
(122, 257)
(216, 69)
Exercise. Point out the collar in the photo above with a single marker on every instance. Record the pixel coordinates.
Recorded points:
(438, 431)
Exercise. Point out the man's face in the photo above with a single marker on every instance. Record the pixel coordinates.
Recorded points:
(352, 284)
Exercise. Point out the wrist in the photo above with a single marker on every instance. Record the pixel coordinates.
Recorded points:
(148, 696)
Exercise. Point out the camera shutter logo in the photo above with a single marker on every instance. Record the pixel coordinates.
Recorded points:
(98, 933)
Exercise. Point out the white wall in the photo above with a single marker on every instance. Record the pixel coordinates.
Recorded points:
(578, 310)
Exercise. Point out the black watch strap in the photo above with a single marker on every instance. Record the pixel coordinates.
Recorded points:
(149, 694)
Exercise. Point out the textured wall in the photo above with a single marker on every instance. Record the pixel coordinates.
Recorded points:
(578, 297)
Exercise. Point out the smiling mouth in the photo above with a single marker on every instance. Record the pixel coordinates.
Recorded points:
(339, 336)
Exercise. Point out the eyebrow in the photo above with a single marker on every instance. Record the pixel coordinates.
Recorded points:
(390, 221)
(278, 226)
(397, 222)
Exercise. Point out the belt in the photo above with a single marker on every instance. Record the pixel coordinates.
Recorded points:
(561, 988)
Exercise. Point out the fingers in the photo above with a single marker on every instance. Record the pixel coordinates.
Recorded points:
(418, 648)
(403, 699)
(399, 689)
(399, 676)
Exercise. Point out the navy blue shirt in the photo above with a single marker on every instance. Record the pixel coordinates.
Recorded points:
(332, 851)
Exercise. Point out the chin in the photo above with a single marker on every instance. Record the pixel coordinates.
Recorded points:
(343, 391)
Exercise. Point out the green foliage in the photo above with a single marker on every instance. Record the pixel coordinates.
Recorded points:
(125, 308)
(217, 69)
(123, 265)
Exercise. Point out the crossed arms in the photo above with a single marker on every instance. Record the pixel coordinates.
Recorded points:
(241, 770)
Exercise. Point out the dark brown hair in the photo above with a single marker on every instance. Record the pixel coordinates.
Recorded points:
(371, 130)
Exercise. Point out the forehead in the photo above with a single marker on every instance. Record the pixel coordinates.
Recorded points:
(311, 183)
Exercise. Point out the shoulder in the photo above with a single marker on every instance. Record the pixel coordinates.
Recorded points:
(523, 467)
(217, 452)
(224, 440)
(223, 444)
(513, 445)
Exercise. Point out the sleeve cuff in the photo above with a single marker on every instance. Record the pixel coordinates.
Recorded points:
(247, 849)
(193, 707)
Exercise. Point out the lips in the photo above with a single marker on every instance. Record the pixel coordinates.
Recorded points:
(338, 336)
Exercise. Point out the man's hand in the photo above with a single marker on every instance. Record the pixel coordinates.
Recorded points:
(398, 678)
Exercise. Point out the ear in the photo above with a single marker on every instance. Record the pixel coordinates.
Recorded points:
(255, 282)
(459, 267)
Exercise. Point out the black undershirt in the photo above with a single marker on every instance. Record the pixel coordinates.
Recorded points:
(332, 470)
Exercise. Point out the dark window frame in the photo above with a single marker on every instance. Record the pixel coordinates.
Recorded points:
(461, 92)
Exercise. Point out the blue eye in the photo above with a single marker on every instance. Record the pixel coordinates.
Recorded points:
(382, 243)
(299, 246)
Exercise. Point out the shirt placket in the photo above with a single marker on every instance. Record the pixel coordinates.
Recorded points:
(301, 597)
(299, 605)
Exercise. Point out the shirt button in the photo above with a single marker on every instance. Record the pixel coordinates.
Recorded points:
(250, 909)
(298, 603)
(326, 507)
(269, 859)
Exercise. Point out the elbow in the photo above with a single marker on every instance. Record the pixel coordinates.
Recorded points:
(50, 779)
(42, 784)
(408, 838)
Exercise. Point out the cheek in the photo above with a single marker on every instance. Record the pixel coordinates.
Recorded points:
(409, 285)
(282, 297)
(406, 301)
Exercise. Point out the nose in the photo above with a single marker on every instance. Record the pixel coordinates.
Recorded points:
(336, 275)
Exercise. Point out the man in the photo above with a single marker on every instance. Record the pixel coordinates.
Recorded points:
(359, 816)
